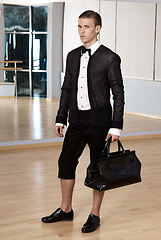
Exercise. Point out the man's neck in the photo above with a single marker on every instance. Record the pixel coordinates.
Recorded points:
(88, 45)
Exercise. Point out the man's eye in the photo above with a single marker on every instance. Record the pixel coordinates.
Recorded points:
(87, 26)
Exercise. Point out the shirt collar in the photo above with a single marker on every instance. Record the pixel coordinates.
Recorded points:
(94, 47)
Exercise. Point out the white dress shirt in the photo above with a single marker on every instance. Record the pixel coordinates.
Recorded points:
(82, 94)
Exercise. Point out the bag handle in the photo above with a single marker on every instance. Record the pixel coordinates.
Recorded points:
(120, 146)
(106, 149)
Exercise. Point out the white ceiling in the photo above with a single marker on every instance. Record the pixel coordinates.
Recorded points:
(42, 2)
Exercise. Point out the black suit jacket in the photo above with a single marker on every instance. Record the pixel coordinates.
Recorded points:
(103, 74)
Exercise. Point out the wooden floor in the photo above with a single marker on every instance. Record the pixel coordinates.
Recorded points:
(29, 189)
(34, 118)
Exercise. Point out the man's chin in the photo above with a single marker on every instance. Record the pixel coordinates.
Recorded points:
(83, 41)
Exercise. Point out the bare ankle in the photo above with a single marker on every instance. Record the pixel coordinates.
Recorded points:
(95, 212)
(66, 209)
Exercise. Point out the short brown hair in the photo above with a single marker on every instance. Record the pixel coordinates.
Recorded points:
(94, 15)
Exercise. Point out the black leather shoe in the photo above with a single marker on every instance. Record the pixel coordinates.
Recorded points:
(93, 222)
(57, 216)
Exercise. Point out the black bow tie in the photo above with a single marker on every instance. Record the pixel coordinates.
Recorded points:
(84, 50)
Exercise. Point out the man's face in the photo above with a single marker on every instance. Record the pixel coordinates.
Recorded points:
(87, 30)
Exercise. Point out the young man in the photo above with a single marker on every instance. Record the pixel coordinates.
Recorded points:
(91, 71)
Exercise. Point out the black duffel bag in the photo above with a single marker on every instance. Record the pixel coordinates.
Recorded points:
(113, 170)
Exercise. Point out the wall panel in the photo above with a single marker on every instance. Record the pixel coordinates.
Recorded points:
(91, 5)
(158, 45)
(135, 39)
(108, 14)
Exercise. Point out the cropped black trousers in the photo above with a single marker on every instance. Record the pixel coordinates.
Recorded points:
(76, 138)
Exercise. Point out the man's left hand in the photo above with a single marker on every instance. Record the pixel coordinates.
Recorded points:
(114, 137)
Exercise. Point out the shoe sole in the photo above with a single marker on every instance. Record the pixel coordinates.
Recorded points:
(86, 231)
(65, 220)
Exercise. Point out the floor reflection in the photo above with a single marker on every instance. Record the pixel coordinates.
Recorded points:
(37, 130)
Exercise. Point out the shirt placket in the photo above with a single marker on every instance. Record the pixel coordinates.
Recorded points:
(83, 80)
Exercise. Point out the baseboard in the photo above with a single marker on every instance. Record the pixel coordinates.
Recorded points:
(143, 115)
(60, 143)
(29, 146)
(140, 137)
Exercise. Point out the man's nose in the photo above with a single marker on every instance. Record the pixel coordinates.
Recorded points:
(82, 30)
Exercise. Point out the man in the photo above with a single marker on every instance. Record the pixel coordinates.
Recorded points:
(91, 71)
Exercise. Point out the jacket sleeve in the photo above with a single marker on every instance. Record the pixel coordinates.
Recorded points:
(116, 85)
(62, 113)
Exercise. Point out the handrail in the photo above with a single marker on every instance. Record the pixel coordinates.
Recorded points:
(9, 68)
(11, 61)
(12, 69)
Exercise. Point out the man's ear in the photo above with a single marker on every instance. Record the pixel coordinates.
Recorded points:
(98, 28)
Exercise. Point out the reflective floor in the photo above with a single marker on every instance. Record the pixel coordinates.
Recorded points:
(34, 118)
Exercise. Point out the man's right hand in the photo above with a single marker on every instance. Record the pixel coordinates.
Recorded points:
(59, 131)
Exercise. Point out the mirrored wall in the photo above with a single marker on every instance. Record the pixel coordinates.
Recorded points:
(26, 41)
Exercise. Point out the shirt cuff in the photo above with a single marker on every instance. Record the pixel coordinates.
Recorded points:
(115, 131)
(59, 124)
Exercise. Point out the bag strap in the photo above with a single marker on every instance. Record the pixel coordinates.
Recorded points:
(106, 149)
